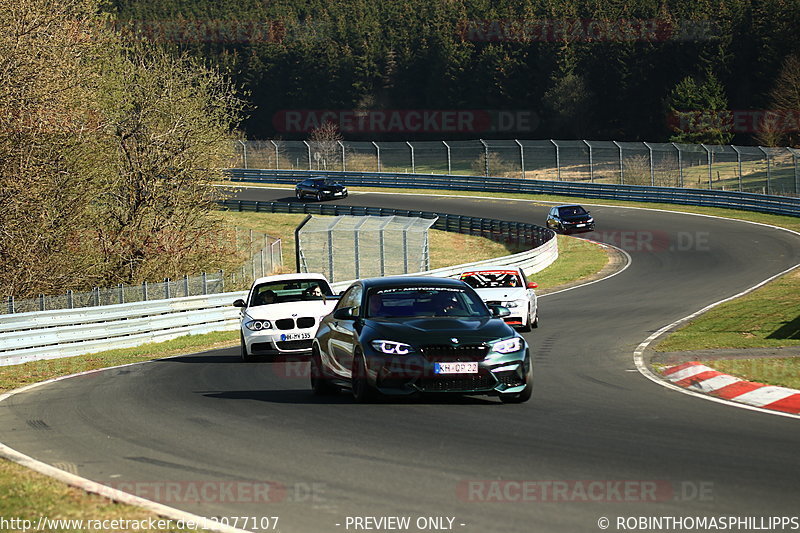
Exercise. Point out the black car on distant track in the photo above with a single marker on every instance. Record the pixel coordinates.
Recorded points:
(406, 335)
(320, 188)
(567, 218)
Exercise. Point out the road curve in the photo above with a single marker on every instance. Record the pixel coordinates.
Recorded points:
(598, 440)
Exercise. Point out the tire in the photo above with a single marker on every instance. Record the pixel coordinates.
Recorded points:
(535, 323)
(320, 383)
(362, 391)
(246, 356)
(527, 392)
(319, 196)
(299, 195)
(526, 327)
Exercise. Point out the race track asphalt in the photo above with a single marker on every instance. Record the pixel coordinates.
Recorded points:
(205, 432)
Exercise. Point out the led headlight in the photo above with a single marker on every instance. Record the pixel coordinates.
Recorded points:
(509, 345)
(392, 347)
(511, 305)
(258, 325)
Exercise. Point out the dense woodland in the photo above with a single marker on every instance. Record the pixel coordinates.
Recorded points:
(651, 60)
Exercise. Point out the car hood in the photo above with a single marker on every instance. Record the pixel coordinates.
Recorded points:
(439, 330)
(577, 218)
(315, 308)
(502, 293)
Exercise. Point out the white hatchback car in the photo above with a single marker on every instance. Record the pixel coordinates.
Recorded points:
(282, 313)
(506, 286)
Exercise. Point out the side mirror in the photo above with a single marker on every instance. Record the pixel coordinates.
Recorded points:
(239, 303)
(533, 285)
(498, 311)
(345, 313)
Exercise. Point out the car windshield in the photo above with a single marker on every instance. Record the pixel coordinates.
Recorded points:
(293, 290)
(400, 302)
(323, 181)
(571, 211)
(492, 278)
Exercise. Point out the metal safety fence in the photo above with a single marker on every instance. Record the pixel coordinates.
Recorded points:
(753, 169)
(262, 255)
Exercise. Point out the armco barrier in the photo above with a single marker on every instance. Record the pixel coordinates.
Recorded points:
(69, 332)
(777, 205)
(497, 230)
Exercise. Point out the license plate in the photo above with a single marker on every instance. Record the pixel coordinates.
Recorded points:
(295, 336)
(581, 225)
(455, 368)
(338, 193)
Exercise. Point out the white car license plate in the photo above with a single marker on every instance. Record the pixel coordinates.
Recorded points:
(580, 225)
(295, 336)
(338, 194)
(455, 368)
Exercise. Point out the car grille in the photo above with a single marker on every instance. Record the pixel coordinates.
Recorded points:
(461, 353)
(306, 322)
(261, 347)
(302, 323)
(510, 378)
(473, 382)
(294, 345)
(284, 323)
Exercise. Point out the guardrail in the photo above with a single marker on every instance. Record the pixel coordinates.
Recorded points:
(520, 233)
(69, 332)
(777, 205)
(55, 334)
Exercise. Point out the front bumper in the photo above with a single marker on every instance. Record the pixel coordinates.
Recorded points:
(404, 375)
(271, 342)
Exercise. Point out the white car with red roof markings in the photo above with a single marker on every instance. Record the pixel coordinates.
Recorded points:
(508, 287)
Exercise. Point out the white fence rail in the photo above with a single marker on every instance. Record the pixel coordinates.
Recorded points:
(41, 335)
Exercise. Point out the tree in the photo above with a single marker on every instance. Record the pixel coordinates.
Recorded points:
(699, 111)
(325, 148)
(780, 125)
(49, 117)
(169, 133)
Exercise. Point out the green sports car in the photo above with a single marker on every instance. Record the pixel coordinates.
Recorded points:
(406, 335)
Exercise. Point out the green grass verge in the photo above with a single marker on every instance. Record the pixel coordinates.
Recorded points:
(28, 495)
(780, 371)
(766, 318)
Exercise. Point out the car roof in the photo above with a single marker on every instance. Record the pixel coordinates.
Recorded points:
(491, 268)
(287, 277)
(411, 281)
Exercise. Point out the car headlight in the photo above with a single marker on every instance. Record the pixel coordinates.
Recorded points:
(590, 220)
(511, 305)
(392, 347)
(258, 325)
(509, 345)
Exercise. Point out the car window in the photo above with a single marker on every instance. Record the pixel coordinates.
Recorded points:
(573, 210)
(487, 279)
(402, 302)
(293, 290)
(351, 298)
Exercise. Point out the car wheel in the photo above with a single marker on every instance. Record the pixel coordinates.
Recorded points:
(320, 383)
(527, 392)
(246, 356)
(535, 323)
(319, 196)
(362, 392)
(527, 325)
(299, 195)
